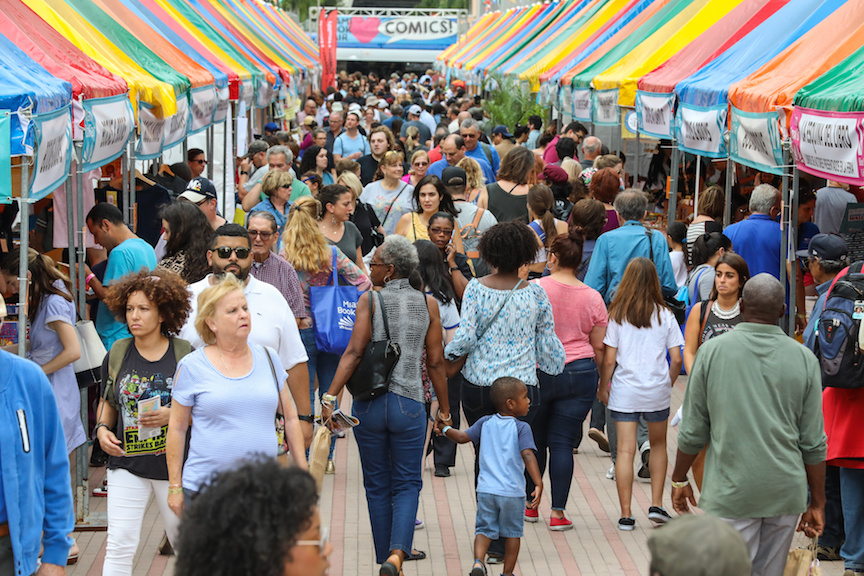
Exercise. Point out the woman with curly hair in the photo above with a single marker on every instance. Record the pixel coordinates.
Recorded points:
(187, 238)
(474, 181)
(506, 329)
(132, 417)
(318, 160)
(281, 536)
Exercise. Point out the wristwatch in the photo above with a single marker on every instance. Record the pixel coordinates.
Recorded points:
(452, 268)
(306, 418)
(244, 172)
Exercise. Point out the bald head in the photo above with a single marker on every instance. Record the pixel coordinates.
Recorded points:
(591, 147)
(763, 300)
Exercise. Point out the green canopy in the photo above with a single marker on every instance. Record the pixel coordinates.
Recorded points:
(661, 18)
(840, 89)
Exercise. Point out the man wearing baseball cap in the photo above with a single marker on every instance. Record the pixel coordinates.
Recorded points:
(253, 166)
(414, 112)
(270, 128)
(502, 139)
(825, 257)
(201, 192)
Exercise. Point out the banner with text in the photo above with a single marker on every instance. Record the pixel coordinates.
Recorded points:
(581, 100)
(221, 105)
(606, 107)
(177, 124)
(755, 140)
(327, 32)
(151, 132)
(53, 139)
(108, 124)
(397, 33)
(829, 144)
(700, 130)
(203, 108)
(654, 114)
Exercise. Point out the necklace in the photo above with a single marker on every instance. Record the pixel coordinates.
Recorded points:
(225, 364)
(726, 314)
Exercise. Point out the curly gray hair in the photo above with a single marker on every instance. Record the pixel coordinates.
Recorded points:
(401, 253)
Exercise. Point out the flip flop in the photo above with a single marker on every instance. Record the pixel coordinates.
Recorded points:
(479, 569)
(420, 555)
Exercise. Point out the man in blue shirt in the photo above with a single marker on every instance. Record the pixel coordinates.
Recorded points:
(827, 255)
(126, 254)
(453, 150)
(470, 132)
(616, 248)
(350, 145)
(35, 494)
(758, 238)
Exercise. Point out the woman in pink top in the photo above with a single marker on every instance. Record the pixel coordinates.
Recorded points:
(580, 324)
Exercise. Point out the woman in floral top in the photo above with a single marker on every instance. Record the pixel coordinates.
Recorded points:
(306, 248)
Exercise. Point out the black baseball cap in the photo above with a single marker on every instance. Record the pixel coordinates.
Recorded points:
(198, 190)
(453, 176)
(826, 247)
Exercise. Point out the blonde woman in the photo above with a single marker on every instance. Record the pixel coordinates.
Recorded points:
(276, 185)
(229, 388)
(419, 165)
(475, 182)
(363, 216)
(389, 196)
(412, 142)
(307, 249)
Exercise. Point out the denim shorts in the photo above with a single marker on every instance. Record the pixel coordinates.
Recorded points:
(500, 516)
(658, 416)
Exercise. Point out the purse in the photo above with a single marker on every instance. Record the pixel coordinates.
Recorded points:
(455, 366)
(677, 307)
(281, 439)
(371, 378)
(88, 367)
(334, 309)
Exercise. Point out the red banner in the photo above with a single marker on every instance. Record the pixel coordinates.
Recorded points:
(327, 21)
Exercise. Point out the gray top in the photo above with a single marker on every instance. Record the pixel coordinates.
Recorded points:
(408, 320)
(350, 241)
(830, 207)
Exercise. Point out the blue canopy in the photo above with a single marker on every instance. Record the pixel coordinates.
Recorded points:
(709, 87)
(27, 86)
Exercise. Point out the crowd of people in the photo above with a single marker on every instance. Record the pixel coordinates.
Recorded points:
(512, 279)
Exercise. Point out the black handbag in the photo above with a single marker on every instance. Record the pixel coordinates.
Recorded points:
(677, 307)
(371, 378)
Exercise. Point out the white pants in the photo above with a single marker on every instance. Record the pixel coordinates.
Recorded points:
(128, 496)
(768, 539)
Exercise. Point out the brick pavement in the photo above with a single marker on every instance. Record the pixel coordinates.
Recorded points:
(594, 546)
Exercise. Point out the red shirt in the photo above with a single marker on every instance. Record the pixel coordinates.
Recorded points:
(843, 409)
(435, 154)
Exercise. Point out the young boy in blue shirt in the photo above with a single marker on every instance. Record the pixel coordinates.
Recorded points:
(506, 451)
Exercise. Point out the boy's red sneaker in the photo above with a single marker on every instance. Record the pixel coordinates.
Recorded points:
(531, 515)
(560, 524)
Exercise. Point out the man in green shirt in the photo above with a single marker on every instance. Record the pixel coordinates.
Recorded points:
(755, 399)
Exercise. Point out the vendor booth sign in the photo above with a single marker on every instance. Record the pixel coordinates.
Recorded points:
(108, 124)
(151, 131)
(829, 144)
(203, 108)
(606, 107)
(700, 130)
(177, 124)
(403, 32)
(755, 140)
(655, 114)
(581, 98)
(53, 138)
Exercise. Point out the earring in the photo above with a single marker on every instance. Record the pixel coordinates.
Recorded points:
(387, 279)
(333, 219)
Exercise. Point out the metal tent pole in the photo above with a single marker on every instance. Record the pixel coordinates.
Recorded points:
(696, 187)
(792, 248)
(672, 209)
(23, 260)
(79, 222)
(730, 171)
(124, 170)
(638, 149)
(133, 193)
(71, 258)
(210, 162)
(785, 226)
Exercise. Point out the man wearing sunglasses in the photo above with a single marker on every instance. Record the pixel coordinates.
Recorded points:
(197, 161)
(273, 322)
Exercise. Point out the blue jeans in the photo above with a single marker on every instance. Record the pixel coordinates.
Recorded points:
(390, 439)
(852, 487)
(324, 366)
(564, 403)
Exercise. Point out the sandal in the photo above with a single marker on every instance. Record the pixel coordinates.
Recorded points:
(479, 568)
(415, 555)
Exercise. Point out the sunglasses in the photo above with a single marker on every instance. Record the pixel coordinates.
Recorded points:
(200, 161)
(421, 164)
(263, 235)
(224, 252)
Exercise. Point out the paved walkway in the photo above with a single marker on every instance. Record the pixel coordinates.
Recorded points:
(594, 546)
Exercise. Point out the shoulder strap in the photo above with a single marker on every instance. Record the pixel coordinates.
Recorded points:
(538, 229)
(181, 348)
(488, 153)
(703, 317)
(498, 311)
(115, 357)
(649, 234)
(390, 207)
(695, 288)
(383, 314)
(275, 378)
(335, 276)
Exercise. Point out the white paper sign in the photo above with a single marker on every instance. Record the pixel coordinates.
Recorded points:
(581, 103)
(53, 140)
(247, 91)
(654, 112)
(108, 124)
(606, 107)
(566, 97)
(203, 108)
(221, 105)
(700, 130)
(177, 124)
(151, 131)
(755, 140)
(829, 144)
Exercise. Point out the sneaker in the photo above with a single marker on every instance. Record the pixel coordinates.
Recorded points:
(828, 553)
(645, 454)
(626, 524)
(658, 514)
(442, 471)
(610, 474)
(418, 524)
(560, 524)
(600, 438)
(531, 515)
(494, 559)
(101, 491)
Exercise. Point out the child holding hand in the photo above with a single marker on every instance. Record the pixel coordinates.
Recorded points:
(506, 448)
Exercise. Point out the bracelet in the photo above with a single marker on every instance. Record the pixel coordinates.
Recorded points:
(448, 419)
(306, 418)
(328, 400)
(96, 429)
(89, 278)
(244, 172)
(446, 428)
(452, 268)
(800, 315)
(683, 484)
(175, 490)
(175, 485)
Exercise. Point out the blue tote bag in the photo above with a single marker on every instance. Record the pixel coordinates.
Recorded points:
(334, 308)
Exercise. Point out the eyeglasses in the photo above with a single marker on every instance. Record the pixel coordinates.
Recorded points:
(445, 231)
(321, 544)
(263, 235)
(373, 263)
(225, 252)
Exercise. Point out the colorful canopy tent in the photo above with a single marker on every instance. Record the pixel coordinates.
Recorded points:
(635, 13)
(658, 48)
(143, 86)
(577, 31)
(289, 27)
(470, 36)
(759, 99)
(512, 22)
(702, 97)
(656, 90)
(827, 124)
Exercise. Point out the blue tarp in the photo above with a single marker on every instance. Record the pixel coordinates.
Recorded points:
(25, 85)
(709, 87)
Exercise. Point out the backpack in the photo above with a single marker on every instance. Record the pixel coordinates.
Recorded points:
(684, 293)
(118, 351)
(838, 337)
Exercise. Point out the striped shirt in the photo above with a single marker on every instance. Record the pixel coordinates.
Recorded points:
(278, 272)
